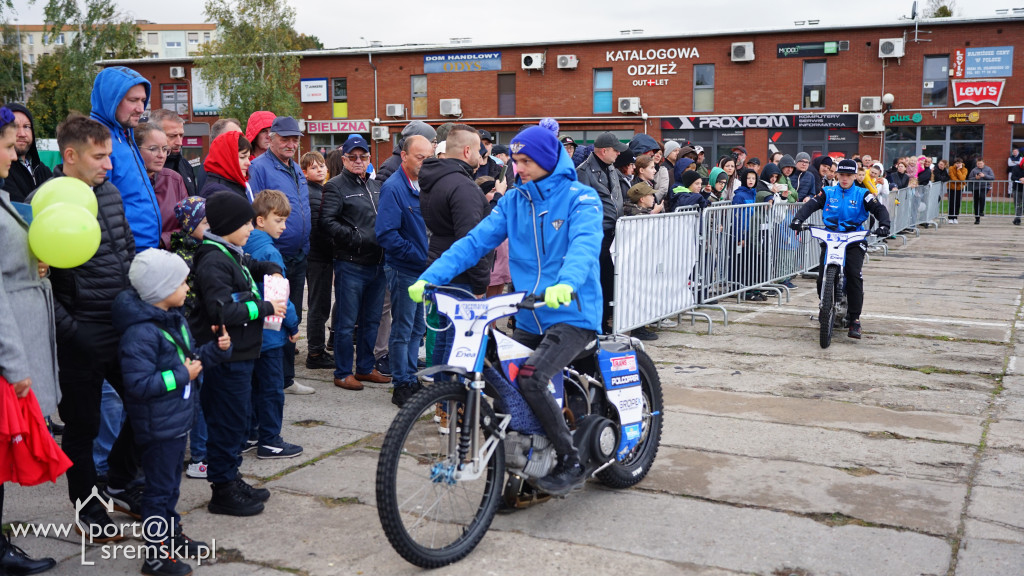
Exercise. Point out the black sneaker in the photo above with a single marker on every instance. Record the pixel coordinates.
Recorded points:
(160, 564)
(322, 361)
(642, 333)
(128, 500)
(250, 445)
(1016, 221)
(93, 519)
(55, 429)
(229, 499)
(854, 330)
(279, 449)
(257, 494)
(403, 393)
(383, 365)
(14, 560)
(566, 477)
(185, 547)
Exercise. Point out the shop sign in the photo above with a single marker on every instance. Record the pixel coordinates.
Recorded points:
(805, 49)
(764, 121)
(652, 62)
(962, 117)
(337, 126)
(192, 141)
(916, 118)
(959, 62)
(993, 62)
(473, 62)
(977, 91)
(313, 89)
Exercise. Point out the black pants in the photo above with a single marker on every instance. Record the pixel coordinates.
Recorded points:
(553, 351)
(607, 280)
(954, 202)
(1018, 200)
(295, 266)
(162, 461)
(85, 361)
(320, 276)
(980, 192)
(854, 282)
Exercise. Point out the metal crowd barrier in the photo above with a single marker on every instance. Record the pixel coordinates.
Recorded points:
(994, 198)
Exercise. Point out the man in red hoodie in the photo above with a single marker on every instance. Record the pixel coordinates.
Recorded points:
(257, 131)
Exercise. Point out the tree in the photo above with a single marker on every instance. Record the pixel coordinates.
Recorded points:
(64, 79)
(940, 8)
(248, 64)
(304, 42)
(10, 68)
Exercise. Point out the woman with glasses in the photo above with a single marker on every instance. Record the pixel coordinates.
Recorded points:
(168, 184)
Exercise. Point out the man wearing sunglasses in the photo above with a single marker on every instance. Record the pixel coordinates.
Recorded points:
(349, 215)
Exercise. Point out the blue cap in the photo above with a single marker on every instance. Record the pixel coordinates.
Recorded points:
(285, 126)
(353, 143)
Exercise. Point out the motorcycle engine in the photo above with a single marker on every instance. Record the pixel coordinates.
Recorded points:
(529, 455)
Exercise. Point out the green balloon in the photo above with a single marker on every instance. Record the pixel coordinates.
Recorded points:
(64, 190)
(64, 235)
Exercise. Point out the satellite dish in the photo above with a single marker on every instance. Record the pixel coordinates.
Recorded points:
(913, 11)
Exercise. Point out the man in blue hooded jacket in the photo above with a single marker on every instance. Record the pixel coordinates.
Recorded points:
(553, 224)
(119, 98)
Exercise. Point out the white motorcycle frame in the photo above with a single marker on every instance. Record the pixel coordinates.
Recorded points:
(835, 246)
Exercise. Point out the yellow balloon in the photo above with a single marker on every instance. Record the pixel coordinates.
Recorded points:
(64, 235)
(64, 190)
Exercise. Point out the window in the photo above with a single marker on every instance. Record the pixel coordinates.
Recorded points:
(193, 38)
(935, 88)
(60, 40)
(703, 87)
(173, 44)
(603, 91)
(506, 94)
(206, 36)
(339, 97)
(814, 84)
(153, 38)
(31, 59)
(174, 97)
(418, 85)
(31, 39)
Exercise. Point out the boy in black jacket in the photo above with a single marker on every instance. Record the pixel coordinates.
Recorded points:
(228, 296)
(160, 365)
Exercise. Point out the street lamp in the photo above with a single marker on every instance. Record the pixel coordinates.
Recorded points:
(888, 99)
(21, 61)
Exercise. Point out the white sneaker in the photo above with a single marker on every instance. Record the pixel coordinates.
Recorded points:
(196, 469)
(299, 388)
(668, 323)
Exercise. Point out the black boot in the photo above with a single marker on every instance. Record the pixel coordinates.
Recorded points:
(229, 499)
(566, 477)
(15, 561)
(257, 494)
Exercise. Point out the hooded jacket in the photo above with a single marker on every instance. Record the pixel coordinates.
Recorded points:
(222, 169)
(348, 216)
(261, 248)
(158, 395)
(85, 293)
(257, 122)
(269, 172)
(129, 171)
(554, 230)
(400, 229)
(452, 205)
(21, 181)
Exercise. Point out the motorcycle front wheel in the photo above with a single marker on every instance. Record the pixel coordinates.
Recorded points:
(827, 312)
(431, 515)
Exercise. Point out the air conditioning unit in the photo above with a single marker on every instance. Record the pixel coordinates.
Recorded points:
(380, 133)
(891, 48)
(451, 107)
(177, 71)
(742, 52)
(629, 105)
(871, 123)
(870, 104)
(568, 61)
(394, 110)
(534, 61)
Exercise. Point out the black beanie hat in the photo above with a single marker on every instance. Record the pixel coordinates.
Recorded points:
(688, 178)
(227, 212)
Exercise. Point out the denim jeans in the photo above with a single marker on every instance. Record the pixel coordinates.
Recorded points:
(359, 291)
(111, 420)
(197, 437)
(295, 266)
(407, 328)
(320, 276)
(268, 397)
(227, 401)
(162, 462)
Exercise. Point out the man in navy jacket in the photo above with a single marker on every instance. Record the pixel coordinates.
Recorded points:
(402, 234)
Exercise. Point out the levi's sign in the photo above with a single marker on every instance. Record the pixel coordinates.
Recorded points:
(977, 91)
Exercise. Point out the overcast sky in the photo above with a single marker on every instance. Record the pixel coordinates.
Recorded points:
(348, 24)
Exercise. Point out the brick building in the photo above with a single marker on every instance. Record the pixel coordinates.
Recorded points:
(818, 89)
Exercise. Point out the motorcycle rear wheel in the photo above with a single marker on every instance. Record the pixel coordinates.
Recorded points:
(635, 466)
(431, 518)
(827, 312)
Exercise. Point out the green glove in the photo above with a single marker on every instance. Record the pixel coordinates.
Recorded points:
(416, 290)
(557, 295)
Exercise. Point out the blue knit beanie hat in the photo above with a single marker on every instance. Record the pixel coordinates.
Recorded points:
(540, 144)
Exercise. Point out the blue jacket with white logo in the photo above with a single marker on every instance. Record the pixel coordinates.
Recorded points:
(554, 230)
(129, 173)
(845, 210)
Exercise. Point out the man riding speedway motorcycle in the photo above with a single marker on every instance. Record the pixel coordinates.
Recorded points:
(553, 224)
